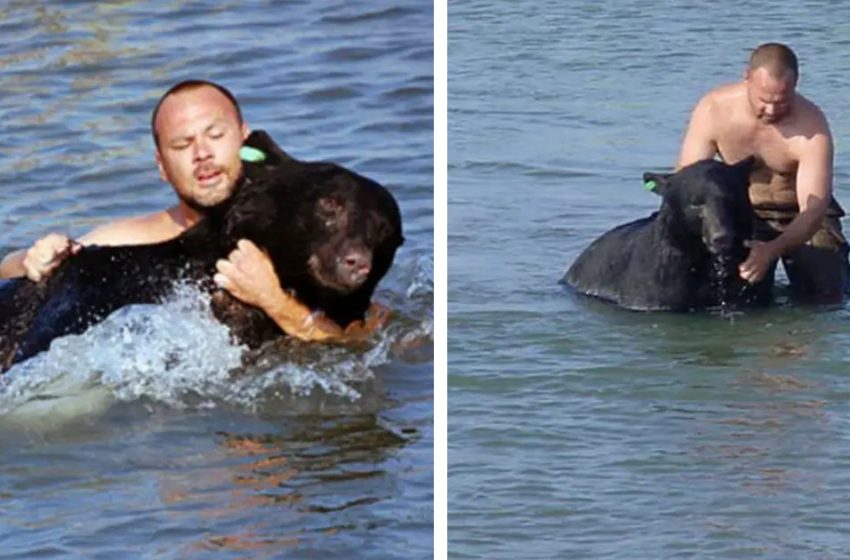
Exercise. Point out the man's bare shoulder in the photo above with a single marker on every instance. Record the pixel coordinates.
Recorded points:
(811, 119)
(722, 96)
(135, 230)
(714, 109)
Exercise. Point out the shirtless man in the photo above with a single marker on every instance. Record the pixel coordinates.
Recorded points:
(198, 130)
(791, 183)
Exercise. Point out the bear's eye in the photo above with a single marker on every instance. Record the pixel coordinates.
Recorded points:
(330, 209)
(333, 213)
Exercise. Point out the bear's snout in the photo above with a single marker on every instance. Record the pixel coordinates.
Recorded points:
(353, 267)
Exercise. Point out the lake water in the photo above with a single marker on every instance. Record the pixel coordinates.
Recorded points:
(577, 430)
(137, 439)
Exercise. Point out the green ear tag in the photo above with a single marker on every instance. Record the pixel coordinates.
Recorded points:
(650, 185)
(247, 153)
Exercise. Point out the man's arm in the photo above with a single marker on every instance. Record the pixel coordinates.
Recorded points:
(249, 276)
(699, 142)
(814, 191)
(40, 259)
(48, 252)
(12, 265)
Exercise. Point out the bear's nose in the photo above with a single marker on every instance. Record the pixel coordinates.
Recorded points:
(720, 241)
(356, 265)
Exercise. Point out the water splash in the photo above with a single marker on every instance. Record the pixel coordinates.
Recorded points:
(720, 280)
(421, 278)
(160, 351)
(176, 353)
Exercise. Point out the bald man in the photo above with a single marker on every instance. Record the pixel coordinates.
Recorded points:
(198, 130)
(797, 219)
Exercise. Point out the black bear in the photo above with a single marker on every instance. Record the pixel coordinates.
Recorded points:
(331, 234)
(684, 256)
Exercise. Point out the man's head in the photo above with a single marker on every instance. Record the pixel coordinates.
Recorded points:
(771, 80)
(198, 130)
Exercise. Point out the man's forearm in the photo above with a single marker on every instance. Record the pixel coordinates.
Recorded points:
(297, 320)
(249, 276)
(800, 230)
(12, 265)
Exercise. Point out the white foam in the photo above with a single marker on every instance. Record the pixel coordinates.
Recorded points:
(176, 353)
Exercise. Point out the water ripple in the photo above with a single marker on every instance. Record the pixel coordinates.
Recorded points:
(142, 429)
(577, 430)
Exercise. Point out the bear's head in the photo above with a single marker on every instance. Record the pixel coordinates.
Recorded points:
(706, 208)
(331, 234)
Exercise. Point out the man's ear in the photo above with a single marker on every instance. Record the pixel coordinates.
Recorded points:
(163, 175)
(246, 131)
(656, 182)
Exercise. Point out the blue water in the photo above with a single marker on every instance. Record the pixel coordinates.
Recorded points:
(144, 437)
(577, 430)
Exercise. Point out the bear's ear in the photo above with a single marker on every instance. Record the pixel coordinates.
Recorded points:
(656, 182)
(260, 140)
(744, 166)
(738, 174)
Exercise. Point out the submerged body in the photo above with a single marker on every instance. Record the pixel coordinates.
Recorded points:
(685, 256)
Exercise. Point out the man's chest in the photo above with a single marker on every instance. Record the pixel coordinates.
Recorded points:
(768, 143)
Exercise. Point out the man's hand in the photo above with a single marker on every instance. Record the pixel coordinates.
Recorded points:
(761, 258)
(46, 254)
(377, 316)
(249, 275)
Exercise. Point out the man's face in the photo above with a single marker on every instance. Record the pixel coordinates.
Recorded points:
(770, 98)
(199, 141)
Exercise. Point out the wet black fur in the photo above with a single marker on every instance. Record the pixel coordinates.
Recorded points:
(684, 256)
(276, 206)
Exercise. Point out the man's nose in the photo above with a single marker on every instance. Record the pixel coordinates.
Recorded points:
(201, 149)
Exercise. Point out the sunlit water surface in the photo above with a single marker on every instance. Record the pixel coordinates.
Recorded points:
(577, 430)
(146, 436)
